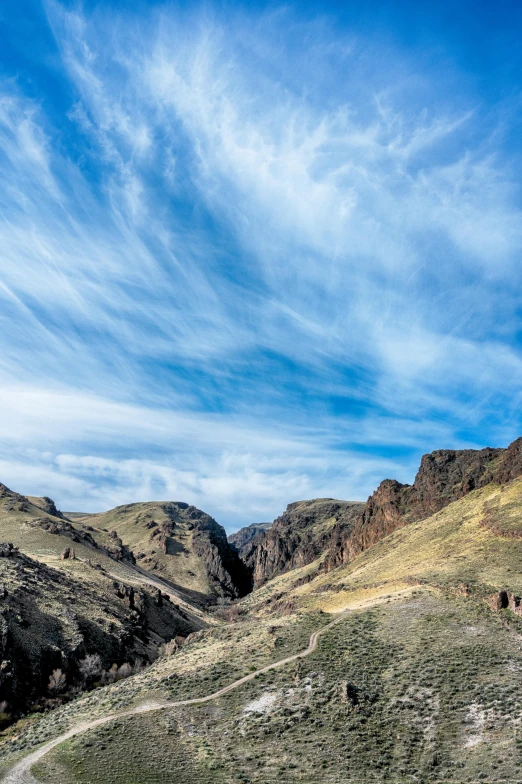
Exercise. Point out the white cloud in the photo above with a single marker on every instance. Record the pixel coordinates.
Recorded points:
(238, 470)
(284, 254)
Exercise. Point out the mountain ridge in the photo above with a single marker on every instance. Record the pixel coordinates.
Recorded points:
(444, 476)
(436, 563)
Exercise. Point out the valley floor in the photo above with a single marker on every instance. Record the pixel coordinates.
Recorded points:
(423, 686)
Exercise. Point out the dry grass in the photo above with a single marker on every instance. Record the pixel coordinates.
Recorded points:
(452, 549)
(131, 523)
(437, 674)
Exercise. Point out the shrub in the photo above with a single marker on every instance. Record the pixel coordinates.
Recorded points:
(90, 667)
(125, 670)
(169, 648)
(57, 681)
(230, 614)
(4, 711)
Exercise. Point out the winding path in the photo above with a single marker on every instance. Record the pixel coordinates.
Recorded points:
(21, 772)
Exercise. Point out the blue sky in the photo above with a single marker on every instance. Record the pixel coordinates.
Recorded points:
(255, 253)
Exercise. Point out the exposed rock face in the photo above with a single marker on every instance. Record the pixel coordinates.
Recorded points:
(47, 505)
(503, 600)
(226, 572)
(510, 464)
(298, 537)
(116, 550)
(444, 476)
(12, 501)
(180, 543)
(49, 620)
(243, 538)
(8, 550)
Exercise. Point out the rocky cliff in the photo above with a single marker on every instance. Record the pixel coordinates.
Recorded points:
(243, 538)
(52, 620)
(47, 505)
(444, 476)
(297, 537)
(177, 542)
(226, 572)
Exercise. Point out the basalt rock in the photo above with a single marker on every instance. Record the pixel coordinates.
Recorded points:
(227, 574)
(505, 600)
(348, 693)
(115, 550)
(444, 476)
(243, 539)
(48, 505)
(50, 619)
(297, 537)
(510, 464)
(8, 550)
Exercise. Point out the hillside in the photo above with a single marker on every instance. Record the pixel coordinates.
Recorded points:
(176, 542)
(418, 680)
(70, 589)
(471, 548)
(443, 476)
(52, 620)
(297, 537)
(243, 538)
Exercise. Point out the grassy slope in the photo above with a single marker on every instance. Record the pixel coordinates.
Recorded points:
(436, 676)
(20, 526)
(436, 694)
(458, 546)
(87, 588)
(130, 522)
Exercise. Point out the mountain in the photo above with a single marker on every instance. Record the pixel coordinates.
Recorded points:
(73, 588)
(297, 537)
(243, 538)
(380, 644)
(54, 619)
(444, 476)
(177, 542)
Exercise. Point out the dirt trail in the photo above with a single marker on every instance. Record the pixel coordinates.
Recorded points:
(21, 772)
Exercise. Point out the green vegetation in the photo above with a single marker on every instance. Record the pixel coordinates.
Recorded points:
(454, 549)
(420, 683)
(138, 526)
(408, 689)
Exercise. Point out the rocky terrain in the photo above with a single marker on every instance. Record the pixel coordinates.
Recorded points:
(53, 621)
(418, 679)
(243, 538)
(297, 537)
(177, 542)
(444, 476)
(71, 589)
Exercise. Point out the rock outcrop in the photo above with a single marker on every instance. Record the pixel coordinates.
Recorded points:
(176, 541)
(226, 572)
(505, 600)
(297, 537)
(115, 549)
(47, 505)
(242, 539)
(510, 464)
(51, 620)
(444, 476)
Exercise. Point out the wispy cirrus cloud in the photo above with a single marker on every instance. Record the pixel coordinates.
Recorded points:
(267, 240)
